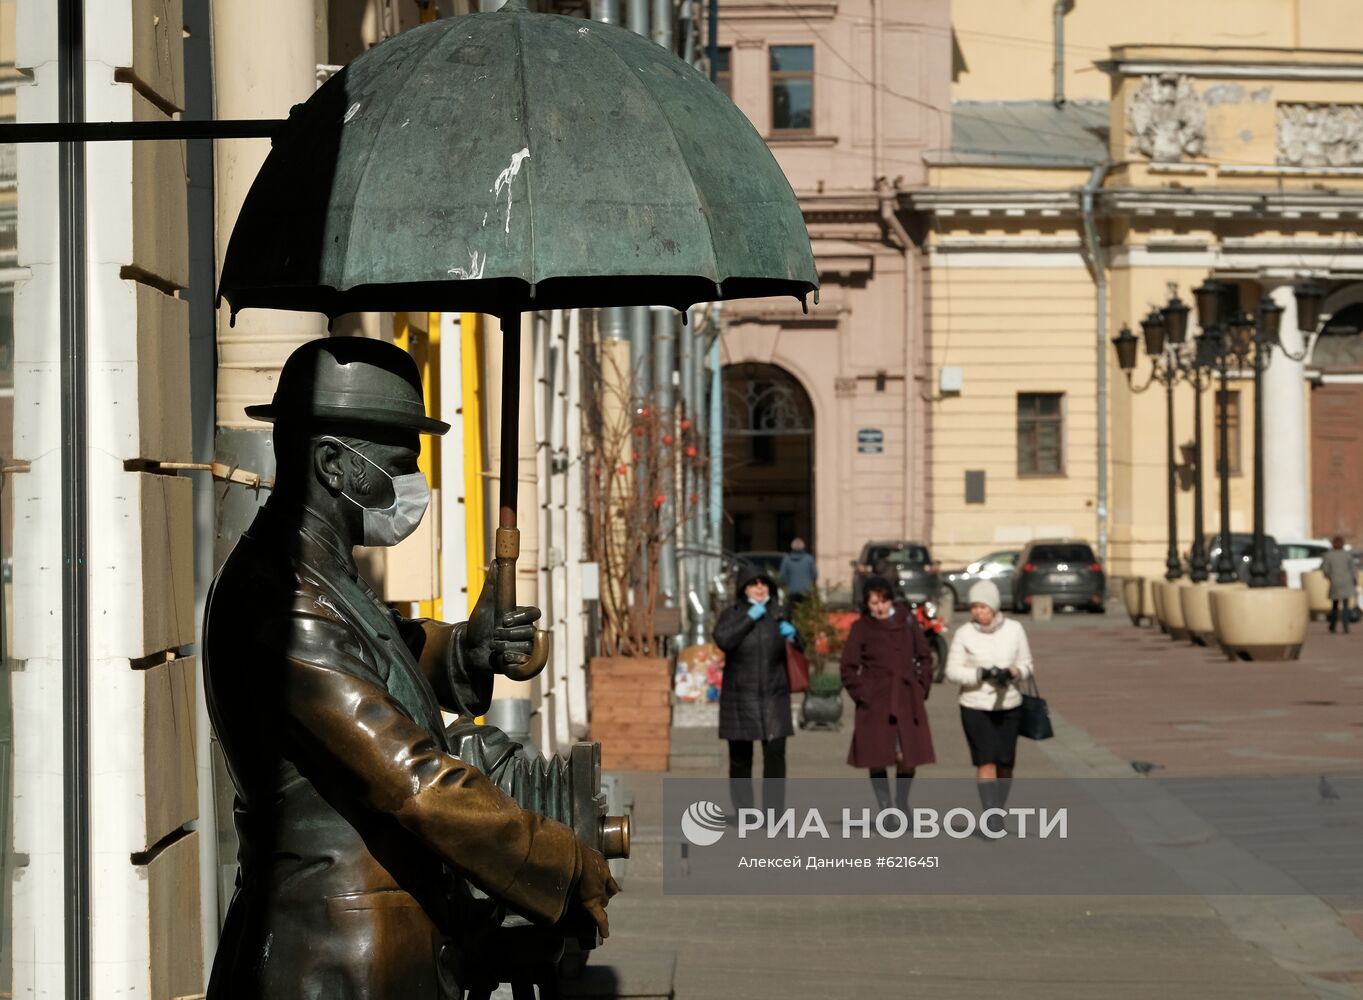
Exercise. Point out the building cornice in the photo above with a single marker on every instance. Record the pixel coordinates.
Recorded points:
(945, 202)
(1205, 70)
(778, 10)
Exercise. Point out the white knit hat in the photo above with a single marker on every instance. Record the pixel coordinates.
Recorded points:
(986, 592)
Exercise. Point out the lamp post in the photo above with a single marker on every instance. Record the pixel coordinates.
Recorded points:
(1242, 341)
(1165, 332)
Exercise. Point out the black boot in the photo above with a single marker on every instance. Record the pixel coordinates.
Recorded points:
(903, 782)
(880, 784)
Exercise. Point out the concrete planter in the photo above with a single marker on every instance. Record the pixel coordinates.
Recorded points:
(1260, 623)
(1136, 596)
(1172, 602)
(1317, 587)
(1196, 599)
(1157, 603)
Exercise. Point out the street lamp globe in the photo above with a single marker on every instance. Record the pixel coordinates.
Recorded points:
(1241, 335)
(1270, 321)
(1153, 328)
(1209, 297)
(1175, 320)
(1125, 342)
(1310, 296)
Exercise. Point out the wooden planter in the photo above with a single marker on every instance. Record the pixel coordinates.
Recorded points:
(631, 711)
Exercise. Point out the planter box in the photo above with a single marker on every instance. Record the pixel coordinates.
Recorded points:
(1138, 596)
(1317, 587)
(1172, 603)
(631, 714)
(1260, 623)
(1157, 604)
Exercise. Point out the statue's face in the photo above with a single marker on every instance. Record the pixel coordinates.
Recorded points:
(393, 452)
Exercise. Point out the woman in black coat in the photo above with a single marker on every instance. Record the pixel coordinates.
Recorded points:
(754, 700)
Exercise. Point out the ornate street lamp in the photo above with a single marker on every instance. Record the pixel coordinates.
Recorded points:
(1164, 332)
(1250, 342)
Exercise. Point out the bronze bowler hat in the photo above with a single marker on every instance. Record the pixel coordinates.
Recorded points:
(353, 379)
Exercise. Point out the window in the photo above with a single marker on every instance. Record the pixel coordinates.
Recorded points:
(1040, 434)
(1232, 410)
(792, 88)
(724, 76)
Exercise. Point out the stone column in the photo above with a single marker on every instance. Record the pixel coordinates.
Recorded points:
(1285, 445)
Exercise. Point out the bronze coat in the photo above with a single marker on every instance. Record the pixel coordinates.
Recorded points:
(886, 668)
(362, 839)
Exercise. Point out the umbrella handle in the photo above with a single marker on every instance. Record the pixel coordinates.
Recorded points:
(508, 550)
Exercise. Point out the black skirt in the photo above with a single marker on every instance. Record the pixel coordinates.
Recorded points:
(993, 736)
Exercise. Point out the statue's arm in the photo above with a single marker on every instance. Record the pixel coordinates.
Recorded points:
(347, 732)
(438, 647)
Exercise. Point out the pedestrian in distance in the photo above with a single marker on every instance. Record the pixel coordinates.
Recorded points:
(988, 658)
(887, 670)
(754, 700)
(799, 572)
(1338, 566)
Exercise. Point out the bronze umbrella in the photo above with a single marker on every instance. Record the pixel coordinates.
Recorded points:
(508, 162)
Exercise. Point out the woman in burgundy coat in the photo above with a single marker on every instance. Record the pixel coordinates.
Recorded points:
(886, 668)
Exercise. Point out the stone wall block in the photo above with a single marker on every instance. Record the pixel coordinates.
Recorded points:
(139, 377)
(146, 941)
(141, 562)
(138, 209)
(142, 773)
(144, 38)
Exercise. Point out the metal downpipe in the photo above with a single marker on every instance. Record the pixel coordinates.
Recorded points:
(1098, 265)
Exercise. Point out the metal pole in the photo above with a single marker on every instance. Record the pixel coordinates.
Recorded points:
(1258, 563)
(636, 17)
(1173, 569)
(1225, 564)
(75, 592)
(606, 11)
(665, 364)
(716, 426)
(1198, 557)
(662, 23)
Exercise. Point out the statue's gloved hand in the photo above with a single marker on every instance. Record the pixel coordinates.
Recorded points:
(595, 887)
(492, 645)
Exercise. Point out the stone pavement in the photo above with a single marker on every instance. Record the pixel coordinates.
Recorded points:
(1118, 694)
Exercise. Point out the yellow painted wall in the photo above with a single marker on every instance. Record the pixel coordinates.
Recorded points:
(1010, 330)
(1003, 48)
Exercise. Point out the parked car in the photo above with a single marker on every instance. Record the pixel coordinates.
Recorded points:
(1064, 568)
(905, 564)
(1001, 567)
(1300, 555)
(1240, 543)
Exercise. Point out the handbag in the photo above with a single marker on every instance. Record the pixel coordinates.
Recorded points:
(797, 669)
(1036, 717)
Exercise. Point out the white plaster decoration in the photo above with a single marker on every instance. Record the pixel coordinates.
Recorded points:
(1167, 118)
(1320, 135)
(1285, 431)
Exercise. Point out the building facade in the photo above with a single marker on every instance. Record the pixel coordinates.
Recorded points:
(1087, 180)
(827, 413)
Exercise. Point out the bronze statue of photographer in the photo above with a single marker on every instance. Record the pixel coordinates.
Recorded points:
(373, 861)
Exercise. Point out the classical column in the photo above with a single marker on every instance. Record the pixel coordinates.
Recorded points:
(1285, 444)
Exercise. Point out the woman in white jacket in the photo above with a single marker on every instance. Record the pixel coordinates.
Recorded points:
(988, 658)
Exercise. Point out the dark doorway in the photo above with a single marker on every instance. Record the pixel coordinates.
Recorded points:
(768, 459)
(1336, 433)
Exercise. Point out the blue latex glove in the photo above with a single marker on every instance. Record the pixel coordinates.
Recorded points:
(788, 631)
(756, 611)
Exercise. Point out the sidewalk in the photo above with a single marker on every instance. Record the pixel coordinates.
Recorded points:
(1040, 947)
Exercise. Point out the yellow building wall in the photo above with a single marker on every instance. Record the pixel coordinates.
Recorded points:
(1010, 330)
(1002, 49)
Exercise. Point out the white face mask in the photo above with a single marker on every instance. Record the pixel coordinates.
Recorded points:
(390, 525)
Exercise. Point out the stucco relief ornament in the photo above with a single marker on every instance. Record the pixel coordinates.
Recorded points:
(1315, 135)
(1166, 118)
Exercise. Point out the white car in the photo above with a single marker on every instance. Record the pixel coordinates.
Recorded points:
(1300, 555)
